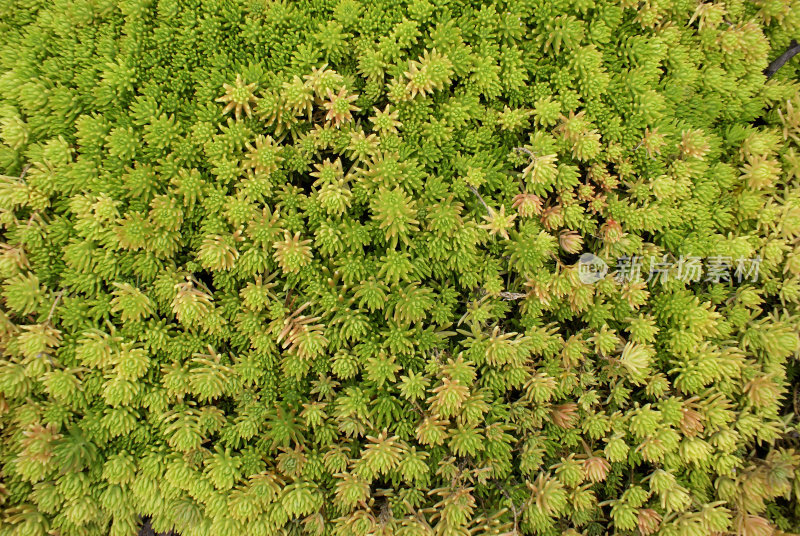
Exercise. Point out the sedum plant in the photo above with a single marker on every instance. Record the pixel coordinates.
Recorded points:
(283, 268)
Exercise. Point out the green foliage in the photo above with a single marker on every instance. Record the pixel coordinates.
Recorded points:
(312, 267)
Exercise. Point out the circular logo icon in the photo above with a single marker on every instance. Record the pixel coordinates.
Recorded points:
(591, 268)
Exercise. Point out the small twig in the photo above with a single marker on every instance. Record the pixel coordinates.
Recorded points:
(30, 220)
(418, 409)
(475, 191)
(780, 61)
(511, 502)
(795, 401)
(511, 296)
(53, 307)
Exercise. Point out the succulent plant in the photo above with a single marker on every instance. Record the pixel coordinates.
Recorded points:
(414, 268)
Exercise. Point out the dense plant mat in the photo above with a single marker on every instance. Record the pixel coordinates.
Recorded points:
(388, 268)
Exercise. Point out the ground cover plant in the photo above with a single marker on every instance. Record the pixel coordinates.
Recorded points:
(399, 268)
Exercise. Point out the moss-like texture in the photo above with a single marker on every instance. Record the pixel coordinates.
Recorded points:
(284, 268)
